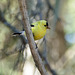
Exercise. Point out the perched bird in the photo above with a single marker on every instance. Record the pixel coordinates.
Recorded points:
(38, 29)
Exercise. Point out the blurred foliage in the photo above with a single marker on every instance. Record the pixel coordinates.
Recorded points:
(58, 48)
(69, 16)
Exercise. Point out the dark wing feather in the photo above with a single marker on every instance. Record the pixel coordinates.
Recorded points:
(17, 33)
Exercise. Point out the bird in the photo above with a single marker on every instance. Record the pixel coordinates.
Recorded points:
(38, 28)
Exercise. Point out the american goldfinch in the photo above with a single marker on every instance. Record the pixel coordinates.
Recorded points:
(38, 29)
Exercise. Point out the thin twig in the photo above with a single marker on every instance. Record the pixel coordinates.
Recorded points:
(53, 72)
(4, 21)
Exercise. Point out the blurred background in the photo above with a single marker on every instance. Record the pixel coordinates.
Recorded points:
(57, 48)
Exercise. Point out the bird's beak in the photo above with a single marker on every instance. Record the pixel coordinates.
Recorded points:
(48, 27)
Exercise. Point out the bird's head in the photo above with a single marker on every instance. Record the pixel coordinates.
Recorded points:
(45, 24)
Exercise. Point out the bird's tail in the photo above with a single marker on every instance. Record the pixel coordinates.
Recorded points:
(18, 33)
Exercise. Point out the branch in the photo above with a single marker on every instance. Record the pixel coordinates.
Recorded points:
(43, 55)
(53, 72)
(53, 9)
(29, 35)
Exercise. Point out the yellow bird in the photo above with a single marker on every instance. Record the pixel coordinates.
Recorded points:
(38, 29)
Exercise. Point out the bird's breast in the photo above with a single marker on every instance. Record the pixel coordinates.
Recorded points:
(38, 33)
